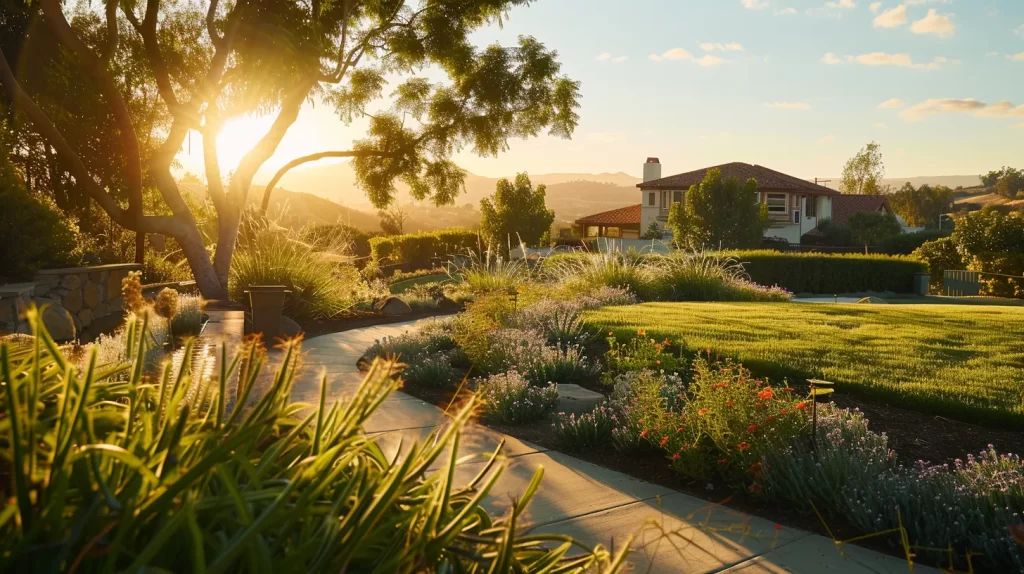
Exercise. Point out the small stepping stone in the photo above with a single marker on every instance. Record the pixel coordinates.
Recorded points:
(574, 399)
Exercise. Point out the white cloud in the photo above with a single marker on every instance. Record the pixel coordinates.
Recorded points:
(901, 60)
(827, 140)
(604, 56)
(920, 2)
(892, 104)
(785, 11)
(755, 4)
(788, 105)
(831, 59)
(969, 105)
(892, 18)
(707, 60)
(847, 4)
(621, 59)
(1015, 57)
(608, 57)
(1019, 30)
(719, 46)
(934, 23)
(875, 7)
(880, 125)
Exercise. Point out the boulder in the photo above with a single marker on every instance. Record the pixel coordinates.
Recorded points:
(114, 284)
(289, 328)
(59, 323)
(91, 295)
(71, 282)
(41, 289)
(73, 300)
(574, 399)
(393, 307)
(85, 317)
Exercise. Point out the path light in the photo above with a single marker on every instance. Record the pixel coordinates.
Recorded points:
(818, 389)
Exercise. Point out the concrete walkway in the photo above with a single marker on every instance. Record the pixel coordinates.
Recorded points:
(673, 532)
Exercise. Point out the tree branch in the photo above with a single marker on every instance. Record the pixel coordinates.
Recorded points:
(211, 19)
(112, 32)
(214, 182)
(308, 158)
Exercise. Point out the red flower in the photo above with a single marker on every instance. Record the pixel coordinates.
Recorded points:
(755, 469)
(643, 434)
(723, 461)
(743, 445)
(680, 429)
(675, 456)
(766, 394)
(788, 389)
(702, 412)
(778, 527)
(684, 447)
(717, 386)
(730, 403)
(664, 440)
(751, 428)
(755, 488)
(665, 342)
(769, 419)
(802, 405)
(783, 412)
(658, 347)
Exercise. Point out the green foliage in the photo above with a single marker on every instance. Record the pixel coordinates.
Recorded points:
(493, 273)
(829, 274)
(653, 232)
(433, 371)
(330, 237)
(940, 255)
(1008, 182)
(873, 227)
(993, 243)
(184, 479)
(189, 318)
(509, 398)
(951, 360)
(638, 353)
(922, 206)
(863, 173)
(515, 214)
(589, 430)
(422, 250)
(719, 213)
(829, 234)
(34, 233)
(908, 243)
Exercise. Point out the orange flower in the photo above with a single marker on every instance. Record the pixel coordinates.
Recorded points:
(680, 429)
(641, 333)
(658, 362)
(657, 346)
(664, 441)
(766, 394)
(802, 405)
(719, 386)
(755, 488)
(751, 428)
(611, 333)
(665, 342)
(743, 445)
(783, 412)
(723, 461)
(730, 403)
(675, 456)
(769, 419)
(788, 389)
(643, 434)
(755, 469)
(702, 412)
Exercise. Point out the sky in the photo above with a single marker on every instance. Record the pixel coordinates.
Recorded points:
(795, 85)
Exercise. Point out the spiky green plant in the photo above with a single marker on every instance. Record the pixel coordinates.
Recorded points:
(489, 272)
(162, 472)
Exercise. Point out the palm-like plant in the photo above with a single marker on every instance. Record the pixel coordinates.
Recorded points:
(163, 471)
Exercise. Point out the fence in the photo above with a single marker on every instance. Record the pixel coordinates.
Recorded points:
(956, 283)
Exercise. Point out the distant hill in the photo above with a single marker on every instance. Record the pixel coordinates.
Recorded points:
(976, 198)
(950, 181)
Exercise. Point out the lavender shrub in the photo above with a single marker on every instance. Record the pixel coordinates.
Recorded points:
(509, 398)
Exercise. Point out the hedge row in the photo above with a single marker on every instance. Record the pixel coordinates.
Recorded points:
(828, 274)
(420, 249)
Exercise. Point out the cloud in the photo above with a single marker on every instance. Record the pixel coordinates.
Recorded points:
(892, 104)
(727, 47)
(880, 125)
(1019, 30)
(604, 56)
(707, 60)
(934, 23)
(977, 108)
(1015, 57)
(608, 57)
(827, 140)
(755, 4)
(847, 4)
(886, 59)
(1019, 126)
(788, 105)
(831, 59)
(892, 18)
(875, 7)
(785, 11)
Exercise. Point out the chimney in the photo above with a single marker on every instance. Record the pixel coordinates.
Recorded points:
(652, 169)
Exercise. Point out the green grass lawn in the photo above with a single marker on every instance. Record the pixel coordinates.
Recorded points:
(964, 362)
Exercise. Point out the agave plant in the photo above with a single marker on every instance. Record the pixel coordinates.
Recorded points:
(164, 472)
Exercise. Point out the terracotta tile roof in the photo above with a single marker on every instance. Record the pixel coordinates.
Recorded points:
(622, 216)
(843, 206)
(766, 179)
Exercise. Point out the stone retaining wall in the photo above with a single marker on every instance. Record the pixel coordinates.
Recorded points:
(75, 297)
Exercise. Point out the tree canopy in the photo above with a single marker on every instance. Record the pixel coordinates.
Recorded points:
(1007, 182)
(864, 171)
(515, 213)
(873, 227)
(922, 206)
(719, 213)
(151, 72)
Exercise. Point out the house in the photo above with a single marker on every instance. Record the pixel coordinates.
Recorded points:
(795, 206)
(843, 206)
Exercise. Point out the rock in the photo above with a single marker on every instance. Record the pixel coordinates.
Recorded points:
(41, 289)
(289, 328)
(6, 311)
(393, 307)
(101, 310)
(73, 300)
(59, 323)
(85, 317)
(71, 282)
(91, 295)
(574, 399)
(96, 276)
(114, 284)
(40, 301)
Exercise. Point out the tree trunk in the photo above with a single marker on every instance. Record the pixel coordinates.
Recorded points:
(199, 261)
(227, 236)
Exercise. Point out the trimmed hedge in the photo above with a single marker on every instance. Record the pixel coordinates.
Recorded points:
(419, 250)
(828, 274)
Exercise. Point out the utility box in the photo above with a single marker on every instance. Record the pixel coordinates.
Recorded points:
(921, 281)
(267, 307)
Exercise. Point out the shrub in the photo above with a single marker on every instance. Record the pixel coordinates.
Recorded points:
(701, 276)
(421, 250)
(640, 353)
(433, 371)
(329, 237)
(560, 321)
(492, 273)
(528, 352)
(588, 430)
(907, 243)
(829, 274)
(189, 319)
(642, 399)
(34, 233)
(431, 339)
(199, 479)
(509, 398)
(589, 271)
(939, 255)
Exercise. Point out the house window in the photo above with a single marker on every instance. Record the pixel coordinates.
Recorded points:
(666, 196)
(776, 202)
(677, 197)
(612, 232)
(652, 199)
(812, 206)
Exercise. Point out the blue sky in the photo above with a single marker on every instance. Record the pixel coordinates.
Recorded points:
(792, 84)
(796, 85)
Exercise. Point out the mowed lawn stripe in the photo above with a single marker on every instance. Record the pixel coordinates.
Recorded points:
(962, 361)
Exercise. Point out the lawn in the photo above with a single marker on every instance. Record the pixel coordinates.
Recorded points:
(963, 362)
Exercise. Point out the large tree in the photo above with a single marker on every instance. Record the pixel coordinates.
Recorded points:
(922, 206)
(719, 213)
(864, 171)
(206, 63)
(516, 213)
(873, 227)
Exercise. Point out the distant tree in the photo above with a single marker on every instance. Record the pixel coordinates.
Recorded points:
(922, 206)
(1007, 182)
(717, 213)
(864, 172)
(515, 213)
(191, 178)
(393, 219)
(652, 232)
(990, 179)
(873, 227)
